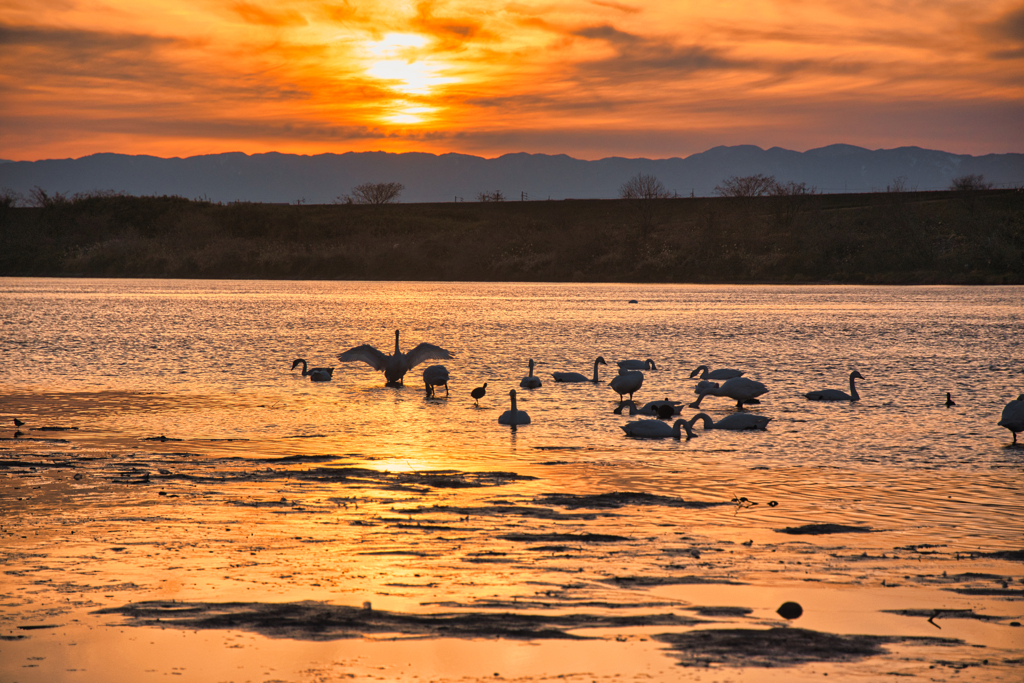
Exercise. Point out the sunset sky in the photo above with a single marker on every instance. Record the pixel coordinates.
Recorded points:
(586, 78)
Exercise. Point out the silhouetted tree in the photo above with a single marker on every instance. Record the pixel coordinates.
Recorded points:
(746, 186)
(496, 196)
(970, 183)
(374, 193)
(643, 191)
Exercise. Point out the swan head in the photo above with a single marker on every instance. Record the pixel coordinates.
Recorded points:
(697, 370)
(512, 393)
(856, 375)
(600, 361)
(297, 362)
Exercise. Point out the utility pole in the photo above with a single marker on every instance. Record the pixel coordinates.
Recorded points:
(523, 196)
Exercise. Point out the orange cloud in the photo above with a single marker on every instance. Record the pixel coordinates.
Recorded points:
(589, 78)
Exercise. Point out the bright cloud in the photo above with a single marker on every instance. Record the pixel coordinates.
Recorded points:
(590, 78)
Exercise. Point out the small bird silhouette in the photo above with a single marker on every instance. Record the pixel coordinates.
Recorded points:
(949, 400)
(17, 422)
(478, 393)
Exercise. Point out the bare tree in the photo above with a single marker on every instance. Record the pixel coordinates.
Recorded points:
(643, 186)
(746, 186)
(970, 183)
(791, 189)
(643, 191)
(496, 196)
(374, 193)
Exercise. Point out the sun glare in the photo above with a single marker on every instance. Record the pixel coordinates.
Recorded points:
(401, 61)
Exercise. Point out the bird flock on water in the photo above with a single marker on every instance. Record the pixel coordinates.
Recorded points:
(630, 379)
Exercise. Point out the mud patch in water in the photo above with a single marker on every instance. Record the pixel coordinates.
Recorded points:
(778, 647)
(310, 620)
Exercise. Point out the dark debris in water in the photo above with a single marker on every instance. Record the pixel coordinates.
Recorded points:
(530, 511)
(778, 647)
(942, 614)
(310, 620)
(361, 476)
(606, 501)
(1013, 555)
(645, 581)
(564, 538)
(817, 529)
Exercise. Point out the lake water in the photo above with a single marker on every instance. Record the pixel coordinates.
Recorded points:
(206, 364)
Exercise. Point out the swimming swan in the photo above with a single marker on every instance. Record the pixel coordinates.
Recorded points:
(577, 377)
(740, 389)
(314, 374)
(720, 373)
(514, 417)
(636, 365)
(736, 421)
(627, 383)
(1013, 417)
(435, 376)
(835, 394)
(531, 381)
(397, 364)
(656, 429)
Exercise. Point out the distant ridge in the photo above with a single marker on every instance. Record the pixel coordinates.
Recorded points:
(320, 179)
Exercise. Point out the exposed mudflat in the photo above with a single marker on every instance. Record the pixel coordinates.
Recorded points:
(104, 539)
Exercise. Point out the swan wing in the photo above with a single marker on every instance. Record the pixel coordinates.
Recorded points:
(367, 354)
(425, 352)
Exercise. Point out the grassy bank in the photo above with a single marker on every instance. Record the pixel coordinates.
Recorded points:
(926, 237)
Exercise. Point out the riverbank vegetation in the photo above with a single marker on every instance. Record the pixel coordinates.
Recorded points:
(955, 237)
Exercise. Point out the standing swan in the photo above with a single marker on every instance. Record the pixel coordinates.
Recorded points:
(740, 389)
(314, 374)
(531, 381)
(514, 417)
(435, 376)
(397, 364)
(577, 377)
(656, 429)
(720, 373)
(736, 421)
(1013, 417)
(627, 383)
(835, 394)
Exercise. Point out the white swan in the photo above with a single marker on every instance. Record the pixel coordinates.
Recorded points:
(531, 381)
(314, 374)
(835, 394)
(436, 376)
(577, 377)
(656, 429)
(514, 417)
(636, 365)
(397, 364)
(627, 383)
(720, 373)
(736, 421)
(740, 389)
(1013, 417)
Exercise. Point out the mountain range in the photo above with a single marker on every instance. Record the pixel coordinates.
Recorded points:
(324, 178)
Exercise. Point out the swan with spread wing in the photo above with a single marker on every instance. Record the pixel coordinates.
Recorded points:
(397, 364)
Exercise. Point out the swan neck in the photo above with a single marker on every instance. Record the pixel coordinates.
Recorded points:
(396, 342)
(853, 389)
(595, 371)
